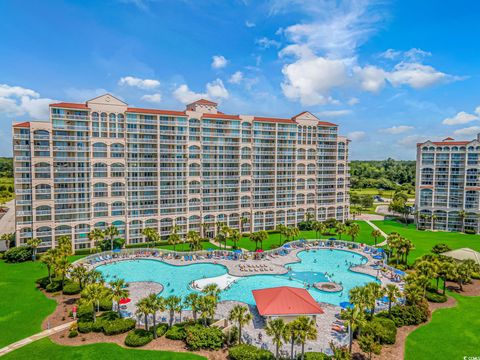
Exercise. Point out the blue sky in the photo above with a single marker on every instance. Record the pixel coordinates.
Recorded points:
(390, 73)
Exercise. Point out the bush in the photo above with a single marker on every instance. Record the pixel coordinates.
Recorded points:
(54, 286)
(85, 313)
(176, 332)
(249, 352)
(110, 315)
(105, 305)
(18, 254)
(161, 329)
(382, 329)
(313, 355)
(408, 314)
(85, 327)
(434, 296)
(138, 337)
(97, 326)
(201, 337)
(43, 282)
(71, 288)
(73, 333)
(118, 326)
(231, 336)
(470, 231)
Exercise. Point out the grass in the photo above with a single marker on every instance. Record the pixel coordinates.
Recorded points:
(22, 306)
(453, 333)
(186, 246)
(274, 240)
(46, 349)
(372, 191)
(425, 240)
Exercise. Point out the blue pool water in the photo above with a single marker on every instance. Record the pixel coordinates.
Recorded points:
(315, 266)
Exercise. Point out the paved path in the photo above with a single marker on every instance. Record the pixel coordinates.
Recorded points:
(30, 339)
(384, 242)
(7, 222)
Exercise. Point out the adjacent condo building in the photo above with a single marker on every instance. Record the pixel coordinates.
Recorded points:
(102, 162)
(448, 185)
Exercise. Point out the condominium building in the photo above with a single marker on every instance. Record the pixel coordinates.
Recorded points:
(448, 185)
(102, 162)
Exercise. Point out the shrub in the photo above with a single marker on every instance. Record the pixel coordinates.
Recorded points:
(382, 329)
(249, 352)
(161, 329)
(176, 332)
(105, 305)
(118, 326)
(231, 337)
(470, 231)
(200, 337)
(408, 314)
(18, 254)
(85, 327)
(73, 333)
(110, 315)
(85, 313)
(97, 326)
(54, 286)
(71, 288)
(313, 355)
(138, 337)
(43, 282)
(435, 297)
(440, 248)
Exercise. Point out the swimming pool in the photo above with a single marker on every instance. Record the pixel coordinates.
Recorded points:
(315, 266)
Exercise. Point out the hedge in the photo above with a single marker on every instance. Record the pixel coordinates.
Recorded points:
(407, 314)
(84, 327)
(201, 337)
(435, 297)
(85, 313)
(161, 329)
(71, 288)
(249, 352)
(118, 326)
(313, 355)
(18, 254)
(176, 332)
(138, 337)
(382, 329)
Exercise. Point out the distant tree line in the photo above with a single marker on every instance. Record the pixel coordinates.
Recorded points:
(384, 174)
(6, 167)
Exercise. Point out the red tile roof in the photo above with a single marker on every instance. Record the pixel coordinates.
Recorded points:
(285, 300)
(204, 102)
(267, 119)
(326, 123)
(220, 116)
(68, 105)
(23, 124)
(451, 142)
(156, 111)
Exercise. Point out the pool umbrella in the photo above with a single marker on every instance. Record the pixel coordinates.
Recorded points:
(259, 251)
(380, 250)
(286, 246)
(399, 272)
(125, 301)
(384, 299)
(378, 257)
(210, 249)
(237, 251)
(116, 250)
(332, 239)
(346, 305)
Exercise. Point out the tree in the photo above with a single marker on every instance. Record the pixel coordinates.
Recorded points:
(275, 329)
(290, 335)
(242, 316)
(96, 235)
(212, 290)
(281, 230)
(91, 295)
(193, 237)
(262, 236)
(376, 234)
(235, 236)
(375, 292)
(151, 235)
(9, 239)
(243, 221)
(353, 230)
(354, 318)
(254, 237)
(391, 292)
(192, 301)
(206, 306)
(154, 304)
(144, 309)
(119, 291)
(440, 248)
(341, 229)
(306, 330)
(319, 228)
(399, 205)
(339, 352)
(64, 245)
(464, 272)
(34, 243)
(369, 346)
(49, 260)
(80, 274)
(174, 238)
(462, 215)
(173, 304)
(111, 232)
(205, 227)
(62, 266)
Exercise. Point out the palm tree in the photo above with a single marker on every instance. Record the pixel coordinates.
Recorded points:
(192, 301)
(173, 304)
(34, 243)
(91, 295)
(391, 292)
(353, 230)
(96, 235)
(80, 274)
(143, 308)
(62, 266)
(243, 221)
(155, 304)
(119, 291)
(9, 238)
(94, 276)
(111, 232)
(193, 237)
(262, 236)
(151, 234)
(319, 228)
(341, 229)
(376, 292)
(432, 221)
(306, 330)
(205, 227)
(254, 237)
(174, 238)
(242, 316)
(64, 244)
(376, 234)
(290, 335)
(206, 306)
(354, 318)
(212, 290)
(235, 236)
(275, 329)
(462, 215)
(49, 260)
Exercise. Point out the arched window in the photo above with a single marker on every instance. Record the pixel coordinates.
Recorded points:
(117, 150)
(100, 209)
(100, 170)
(100, 190)
(99, 150)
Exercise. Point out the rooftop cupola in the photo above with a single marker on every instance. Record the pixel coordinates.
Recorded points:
(203, 106)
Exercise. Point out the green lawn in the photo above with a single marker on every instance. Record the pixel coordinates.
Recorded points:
(274, 239)
(22, 306)
(425, 240)
(186, 246)
(46, 349)
(452, 334)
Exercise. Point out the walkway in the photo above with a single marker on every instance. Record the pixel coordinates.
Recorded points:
(30, 339)
(7, 221)
(384, 242)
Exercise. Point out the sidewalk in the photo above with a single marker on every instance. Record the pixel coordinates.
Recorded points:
(30, 339)
(384, 242)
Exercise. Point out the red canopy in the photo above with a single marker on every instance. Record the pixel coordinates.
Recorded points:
(259, 250)
(125, 301)
(285, 300)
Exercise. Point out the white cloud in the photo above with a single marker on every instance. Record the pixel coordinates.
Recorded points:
(214, 89)
(219, 61)
(357, 135)
(397, 129)
(416, 75)
(411, 141)
(145, 84)
(413, 55)
(334, 113)
(460, 118)
(390, 54)
(81, 95)
(371, 78)
(250, 24)
(468, 131)
(152, 98)
(353, 101)
(19, 101)
(236, 78)
(267, 43)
